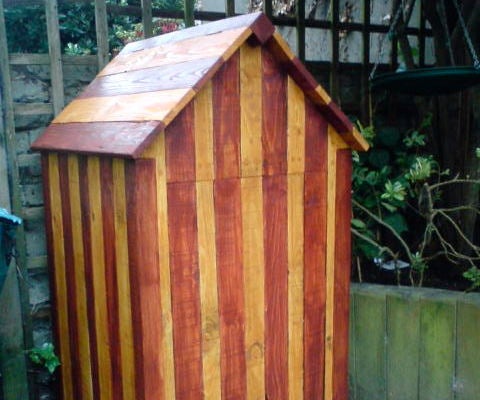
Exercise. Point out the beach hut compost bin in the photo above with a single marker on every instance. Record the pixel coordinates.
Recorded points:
(197, 199)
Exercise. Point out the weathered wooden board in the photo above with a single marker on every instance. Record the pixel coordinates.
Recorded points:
(370, 345)
(437, 346)
(403, 330)
(467, 384)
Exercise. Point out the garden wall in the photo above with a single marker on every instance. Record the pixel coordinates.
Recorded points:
(413, 343)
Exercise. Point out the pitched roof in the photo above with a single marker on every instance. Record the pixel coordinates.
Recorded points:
(145, 87)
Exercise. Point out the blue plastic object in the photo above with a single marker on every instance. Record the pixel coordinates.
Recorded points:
(8, 222)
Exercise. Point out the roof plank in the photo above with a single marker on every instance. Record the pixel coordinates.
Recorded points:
(152, 106)
(196, 48)
(106, 138)
(189, 74)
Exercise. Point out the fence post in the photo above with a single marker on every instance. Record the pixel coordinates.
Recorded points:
(101, 26)
(55, 52)
(15, 303)
(147, 18)
(188, 10)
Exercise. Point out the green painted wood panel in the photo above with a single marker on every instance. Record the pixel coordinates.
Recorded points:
(369, 328)
(437, 346)
(351, 352)
(403, 333)
(12, 354)
(467, 382)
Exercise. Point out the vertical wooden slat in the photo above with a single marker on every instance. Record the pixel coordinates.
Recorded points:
(467, 363)
(123, 280)
(98, 278)
(226, 119)
(251, 111)
(88, 267)
(80, 284)
(55, 53)
(14, 188)
(208, 291)
(295, 286)
(334, 93)
(370, 345)
(300, 22)
(254, 278)
(437, 347)
(295, 128)
(180, 147)
(228, 224)
(141, 197)
(67, 237)
(111, 284)
(204, 163)
(157, 150)
(187, 339)
(59, 274)
(189, 6)
(147, 18)
(229, 8)
(275, 203)
(315, 217)
(403, 332)
(341, 274)
(296, 167)
(206, 244)
(274, 122)
(366, 61)
(101, 27)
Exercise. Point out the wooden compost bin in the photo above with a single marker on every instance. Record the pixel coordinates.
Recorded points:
(197, 198)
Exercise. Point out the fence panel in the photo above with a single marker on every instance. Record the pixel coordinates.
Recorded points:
(415, 344)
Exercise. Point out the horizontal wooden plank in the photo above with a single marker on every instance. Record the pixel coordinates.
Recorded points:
(196, 48)
(242, 21)
(190, 74)
(126, 139)
(44, 59)
(32, 108)
(153, 106)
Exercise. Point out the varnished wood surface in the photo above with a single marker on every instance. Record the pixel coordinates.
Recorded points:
(106, 138)
(228, 227)
(274, 126)
(224, 233)
(141, 196)
(342, 273)
(226, 120)
(154, 79)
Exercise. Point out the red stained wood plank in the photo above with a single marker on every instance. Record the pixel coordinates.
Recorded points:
(314, 282)
(190, 74)
(87, 248)
(50, 252)
(123, 139)
(70, 276)
(276, 285)
(342, 274)
(184, 271)
(302, 76)
(262, 28)
(141, 196)
(226, 119)
(246, 20)
(316, 128)
(180, 147)
(106, 177)
(274, 123)
(228, 225)
(336, 118)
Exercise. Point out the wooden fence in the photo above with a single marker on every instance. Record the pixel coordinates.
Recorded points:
(11, 162)
(409, 344)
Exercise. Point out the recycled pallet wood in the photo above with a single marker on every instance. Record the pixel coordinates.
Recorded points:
(211, 234)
